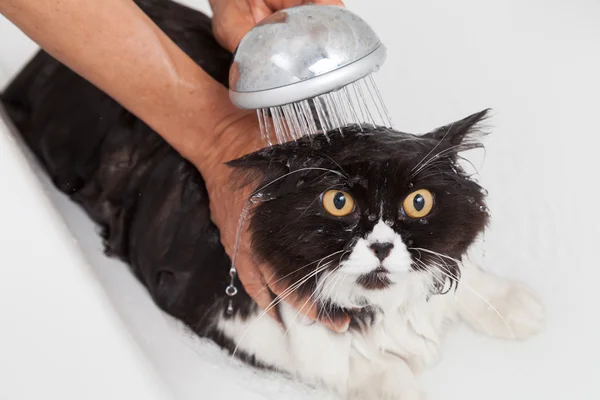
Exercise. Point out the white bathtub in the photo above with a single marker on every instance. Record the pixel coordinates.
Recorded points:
(77, 325)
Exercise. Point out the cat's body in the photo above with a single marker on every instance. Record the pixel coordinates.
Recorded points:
(395, 272)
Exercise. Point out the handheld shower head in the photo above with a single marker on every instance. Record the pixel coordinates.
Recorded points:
(308, 67)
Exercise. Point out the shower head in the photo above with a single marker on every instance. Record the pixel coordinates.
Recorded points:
(306, 66)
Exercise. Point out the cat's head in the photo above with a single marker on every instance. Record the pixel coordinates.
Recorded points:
(367, 218)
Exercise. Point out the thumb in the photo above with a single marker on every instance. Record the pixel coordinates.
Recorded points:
(231, 21)
(260, 10)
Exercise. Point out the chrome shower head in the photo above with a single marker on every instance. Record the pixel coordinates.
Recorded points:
(308, 68)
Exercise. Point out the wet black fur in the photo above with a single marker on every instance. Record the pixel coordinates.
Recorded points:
(153, 207)
(379, 168)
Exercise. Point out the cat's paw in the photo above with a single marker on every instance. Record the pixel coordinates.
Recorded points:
(514, 312)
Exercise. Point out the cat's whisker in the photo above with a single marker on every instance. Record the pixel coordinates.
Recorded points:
(308, 299)
(470, 163)
(434, 273)
(257, 191)
(321, 298)
(316, 198)
(331, 285)
(288, 292)
(294, 287)
(433, 160)
(435, 253)
(338, 165)
(465, 308)
(278, 299)
(339, 279)
(476, 293)
(298, 314)
(270, 283)
(435, 157)
(435, 147)
(325, 282)
(468, 311)
(448, 273)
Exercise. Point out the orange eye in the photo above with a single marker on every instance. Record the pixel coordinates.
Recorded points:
(418, 204)
(337, 203)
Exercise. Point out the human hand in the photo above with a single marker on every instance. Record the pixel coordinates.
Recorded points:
(241, 137)
(232, 19)
(136, 64)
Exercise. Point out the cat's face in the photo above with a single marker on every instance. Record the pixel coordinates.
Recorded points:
(355, 218)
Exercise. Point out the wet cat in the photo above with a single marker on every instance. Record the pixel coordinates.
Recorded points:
(374, 223)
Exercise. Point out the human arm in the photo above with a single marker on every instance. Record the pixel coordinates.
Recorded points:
(114, 45)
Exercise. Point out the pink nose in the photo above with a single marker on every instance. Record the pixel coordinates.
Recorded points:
(382, 250)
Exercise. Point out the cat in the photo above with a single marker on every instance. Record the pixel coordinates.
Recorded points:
(374, 222)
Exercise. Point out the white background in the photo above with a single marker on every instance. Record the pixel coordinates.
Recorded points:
(75, 325)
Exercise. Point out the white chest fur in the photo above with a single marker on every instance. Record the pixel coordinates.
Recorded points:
(381, 361)
(393, 346)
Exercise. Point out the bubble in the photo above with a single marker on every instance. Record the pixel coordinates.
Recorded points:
(471, 200)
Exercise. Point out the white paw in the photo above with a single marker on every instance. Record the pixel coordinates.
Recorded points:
(512, 313)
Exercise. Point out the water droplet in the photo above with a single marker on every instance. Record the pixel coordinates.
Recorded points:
(319, 230)
(372, 217)
(482, 208)
(300, 183)
(484, 191)
(258, 197)
(423, 221)
(410, 243)
(389, 222)
(411, 185)
(471, 200)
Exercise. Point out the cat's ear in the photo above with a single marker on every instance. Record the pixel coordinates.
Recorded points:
(464, 132)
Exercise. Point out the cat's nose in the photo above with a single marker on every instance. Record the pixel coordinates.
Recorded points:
(382, 250)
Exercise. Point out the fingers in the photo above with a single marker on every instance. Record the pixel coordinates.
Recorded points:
(264, 298)
(268, 291)
(329, 2)
(276, 5)
(260, 10)
(255, 284)
(231, 21)
(234, 18)
(307, 306)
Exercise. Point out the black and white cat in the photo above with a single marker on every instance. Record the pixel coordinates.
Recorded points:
(375, 223)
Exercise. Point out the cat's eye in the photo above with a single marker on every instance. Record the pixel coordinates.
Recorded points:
(337, 203)
(418, 204)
